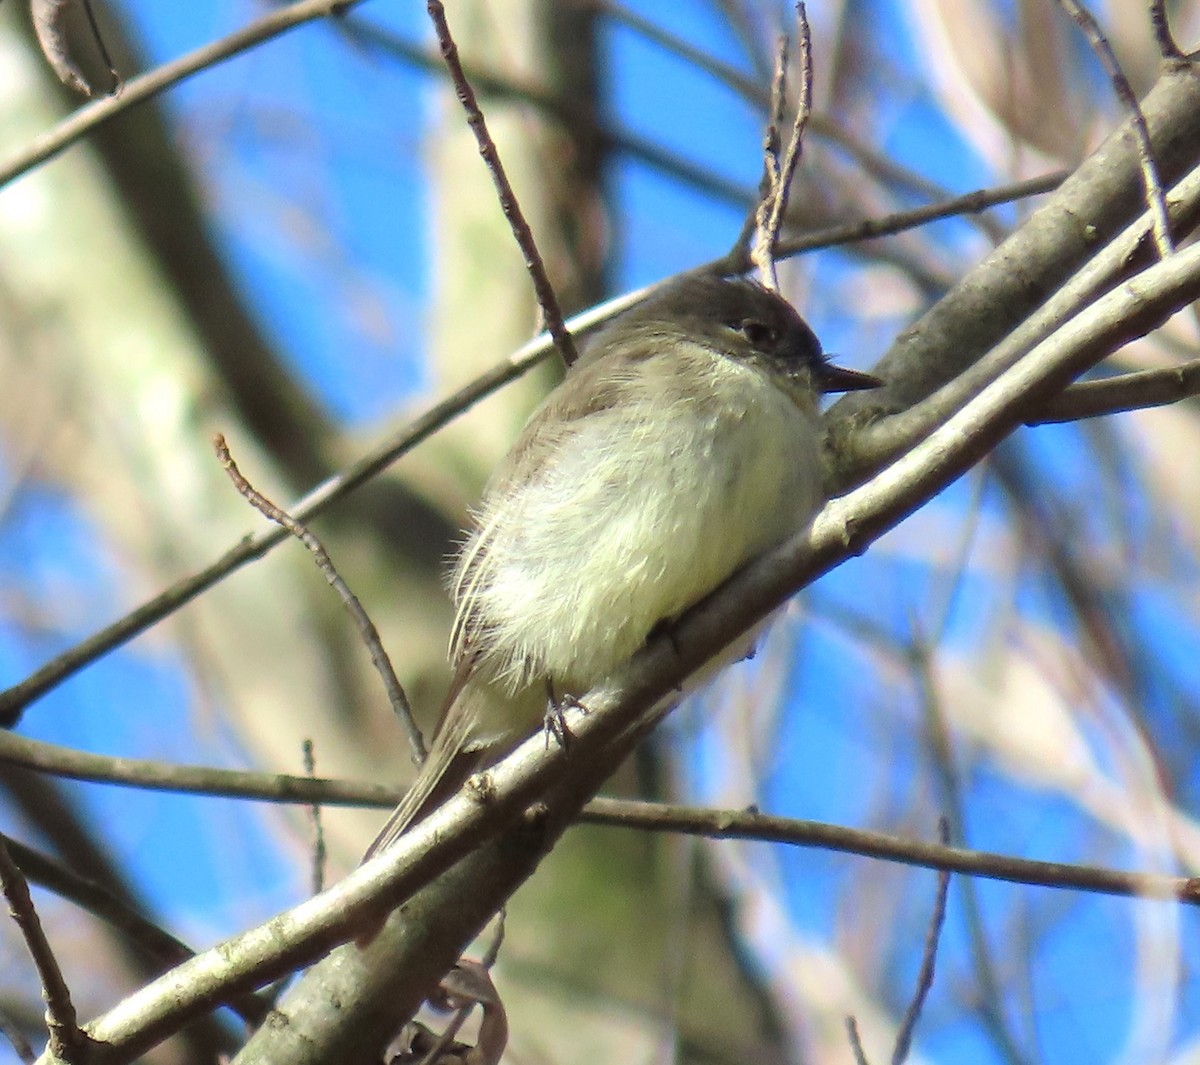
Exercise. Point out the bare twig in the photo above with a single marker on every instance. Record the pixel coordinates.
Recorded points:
(546, 298)
(102, 48)
(908, 1024)
(886, 171)
(467, 985)
(898, 221)
(96, 899)
(318, 831)
(87, 118)
(1155, 200)
(67, 1041)
(856, 1047)
(1138, 390)
(498, 933)
(761, 252)
(796, 142)
(448, 1034)
(366, 627)
(1161, 25)
(779, 174)
(155, 942)
(949, 781)
(727, 824)
(197, 780)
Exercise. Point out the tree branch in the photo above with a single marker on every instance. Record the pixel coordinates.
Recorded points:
(146, 86)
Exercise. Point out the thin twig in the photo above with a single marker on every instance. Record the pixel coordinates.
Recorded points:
(155, 942)
(153, 775)
(796, 142)
(447, 1035)
(644, 816)
(87, 118)
(773, 206)
(761, 254)
(497, 941)
(1155, 200)
(67, 1040)
(856, 1047)
(551, 312)
(164, 949)
(949, 781)
(899, 221)
(727, 824)
(908, 1024)
(467, 985)
(314, 817)
(366, 627)
(1137, 390)
(1161, 26)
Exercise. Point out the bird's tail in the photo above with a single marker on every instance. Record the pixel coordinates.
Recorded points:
(451, 760)
(480, 723)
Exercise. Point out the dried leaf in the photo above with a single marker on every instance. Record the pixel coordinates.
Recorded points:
(49, 23)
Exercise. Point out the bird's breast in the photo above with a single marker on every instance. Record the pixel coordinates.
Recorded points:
(643, 510)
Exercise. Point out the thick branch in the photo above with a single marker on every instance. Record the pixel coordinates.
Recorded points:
(1099, 200)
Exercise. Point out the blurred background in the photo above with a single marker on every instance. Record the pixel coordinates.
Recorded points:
(301, 249)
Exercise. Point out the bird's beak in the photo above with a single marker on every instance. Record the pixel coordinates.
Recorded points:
(830, 378)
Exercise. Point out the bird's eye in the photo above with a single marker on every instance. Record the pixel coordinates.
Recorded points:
(758, 333)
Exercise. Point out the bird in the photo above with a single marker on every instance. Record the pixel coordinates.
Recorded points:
(683, 443)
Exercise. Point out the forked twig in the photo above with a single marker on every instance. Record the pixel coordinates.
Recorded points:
(779, 174)
(762, 248)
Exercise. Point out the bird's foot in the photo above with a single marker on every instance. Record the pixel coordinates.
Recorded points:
(664, 628)
(554, 722)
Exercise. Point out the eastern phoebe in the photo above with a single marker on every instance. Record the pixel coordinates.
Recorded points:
(684, 442)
